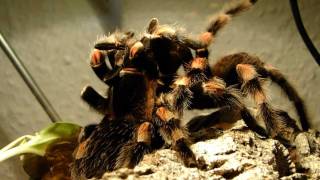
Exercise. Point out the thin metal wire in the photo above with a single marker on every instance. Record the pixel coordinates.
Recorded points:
(303, 32)
(26, 76)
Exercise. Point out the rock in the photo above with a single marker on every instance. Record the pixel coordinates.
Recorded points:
(301, 142)
(236, 154)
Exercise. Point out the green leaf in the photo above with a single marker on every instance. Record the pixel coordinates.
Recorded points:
(38, 143)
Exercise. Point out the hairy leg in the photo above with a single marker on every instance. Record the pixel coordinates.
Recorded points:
(170, 107)
(133, 151)
(95, 100)
(226, 68)
(276, 76)
(98, 153)
(278, 122)
(212, 92)
(175, 135)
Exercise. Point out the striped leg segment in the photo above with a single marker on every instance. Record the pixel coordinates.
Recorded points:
(133, 151)
(172, 132)
(168, 114)
(278, 123)
(211, 92)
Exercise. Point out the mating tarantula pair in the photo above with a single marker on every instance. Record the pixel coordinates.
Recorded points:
(146, 97)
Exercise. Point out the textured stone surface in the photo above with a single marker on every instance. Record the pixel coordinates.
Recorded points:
(237, 154)
(53, 38)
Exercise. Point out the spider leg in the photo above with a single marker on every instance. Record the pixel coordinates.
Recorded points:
(100, 146)
(224, 17)
(153, 25)
(276, 76)
(226, 69)
(99, 66)
(211, 93)
(168, 115)
(110, 42)
(217, 23)
(172, 132)
(133, 151)
(115, 47)
(95, 100)
(278, 123)
(218, 118)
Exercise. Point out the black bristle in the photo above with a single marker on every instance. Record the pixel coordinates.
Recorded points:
(252, 86)
(182, 96)
(185, 153)
(251, 123)
(196, 75)
(268, 115)
(214, 27)
(292, 94)
(238, 8)
(131, 154)
(103, 148)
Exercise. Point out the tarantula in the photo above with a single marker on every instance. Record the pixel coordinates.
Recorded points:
(146, 97)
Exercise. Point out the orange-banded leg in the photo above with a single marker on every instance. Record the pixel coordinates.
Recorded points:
(98, 63)
(276, 76)
(114, 48)
(178, 98)
(197, 71)
(206, 38)
(208, 94)
(278, 123)
(133, 151)
(99, 66)
(216, 24)
(167, 118)
(100, 146)
(174, 134)
(214, 94)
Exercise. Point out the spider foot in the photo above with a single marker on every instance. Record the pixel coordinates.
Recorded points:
(185, 153)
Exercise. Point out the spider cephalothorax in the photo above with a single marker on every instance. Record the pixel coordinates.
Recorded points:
(146, 97)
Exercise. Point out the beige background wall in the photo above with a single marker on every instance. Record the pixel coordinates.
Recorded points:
(53, 38)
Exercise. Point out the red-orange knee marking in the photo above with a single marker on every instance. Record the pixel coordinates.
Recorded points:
(246, 71)
(183, 81)
(164, 114)
(144, 133)
(213, 87)
(96, 56)
(199, 63)
(206, 38)
(178, 134)
(138, 46)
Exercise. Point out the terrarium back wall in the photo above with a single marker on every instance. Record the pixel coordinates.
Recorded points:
(54, 38)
